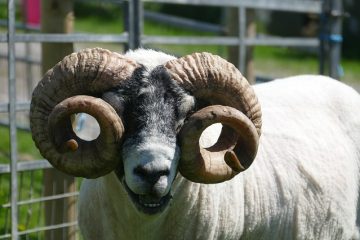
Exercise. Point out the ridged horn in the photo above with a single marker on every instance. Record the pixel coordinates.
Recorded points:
(217, 83)
(73, 85)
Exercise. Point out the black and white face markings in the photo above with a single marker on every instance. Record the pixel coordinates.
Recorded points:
(155, 109)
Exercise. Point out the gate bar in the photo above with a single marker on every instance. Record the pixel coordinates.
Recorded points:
(12, 119)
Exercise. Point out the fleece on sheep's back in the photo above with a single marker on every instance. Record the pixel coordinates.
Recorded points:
(302, 185)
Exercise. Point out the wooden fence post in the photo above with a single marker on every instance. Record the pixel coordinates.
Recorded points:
(57, 17)
(242, 26)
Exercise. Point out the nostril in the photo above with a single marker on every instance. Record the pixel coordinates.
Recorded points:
(141, 171)
(149, 174)
(165, 172)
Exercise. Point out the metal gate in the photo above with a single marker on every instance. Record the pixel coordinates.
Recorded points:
(21, 182)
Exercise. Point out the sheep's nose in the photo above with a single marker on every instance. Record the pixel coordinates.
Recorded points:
(151, 175)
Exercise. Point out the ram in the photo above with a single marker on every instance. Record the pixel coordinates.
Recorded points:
(150, 177)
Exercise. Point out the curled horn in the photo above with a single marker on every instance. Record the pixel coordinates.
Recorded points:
(228, 98)
(71, 86)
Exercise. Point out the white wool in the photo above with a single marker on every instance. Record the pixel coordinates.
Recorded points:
(303, 184)
(149, 57)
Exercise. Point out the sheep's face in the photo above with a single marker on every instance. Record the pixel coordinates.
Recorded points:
(155, 108)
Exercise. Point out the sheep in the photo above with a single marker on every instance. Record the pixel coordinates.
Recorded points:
(148, 176)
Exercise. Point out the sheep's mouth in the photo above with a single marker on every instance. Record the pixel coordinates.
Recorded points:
(146, 203)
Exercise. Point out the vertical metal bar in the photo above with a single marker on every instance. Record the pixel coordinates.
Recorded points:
(28, 63)
(322, 55)
(138, 21)
(12, 118)
(331, 38)
(29, 213)
(126, 18)
(242, 36)
(41, 211)
(335, 38)
(322, 36)
(131, 30)
(135, 23)
(29, 72)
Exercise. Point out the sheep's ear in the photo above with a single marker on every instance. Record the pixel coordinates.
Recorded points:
(116, 100)
(187, 104)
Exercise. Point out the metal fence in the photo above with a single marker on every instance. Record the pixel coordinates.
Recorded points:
(21, 181)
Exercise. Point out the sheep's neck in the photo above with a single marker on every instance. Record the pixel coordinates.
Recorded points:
(198, 202)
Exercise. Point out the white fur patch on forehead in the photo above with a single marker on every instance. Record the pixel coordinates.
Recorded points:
(148, 57)
(157, 147)
(150, 144)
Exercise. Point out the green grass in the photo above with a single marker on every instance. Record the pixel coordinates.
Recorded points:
(29, 184)
(30, 215)
(25, 145)
(282, 62)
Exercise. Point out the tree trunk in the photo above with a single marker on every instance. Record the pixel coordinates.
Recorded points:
(58, 17)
